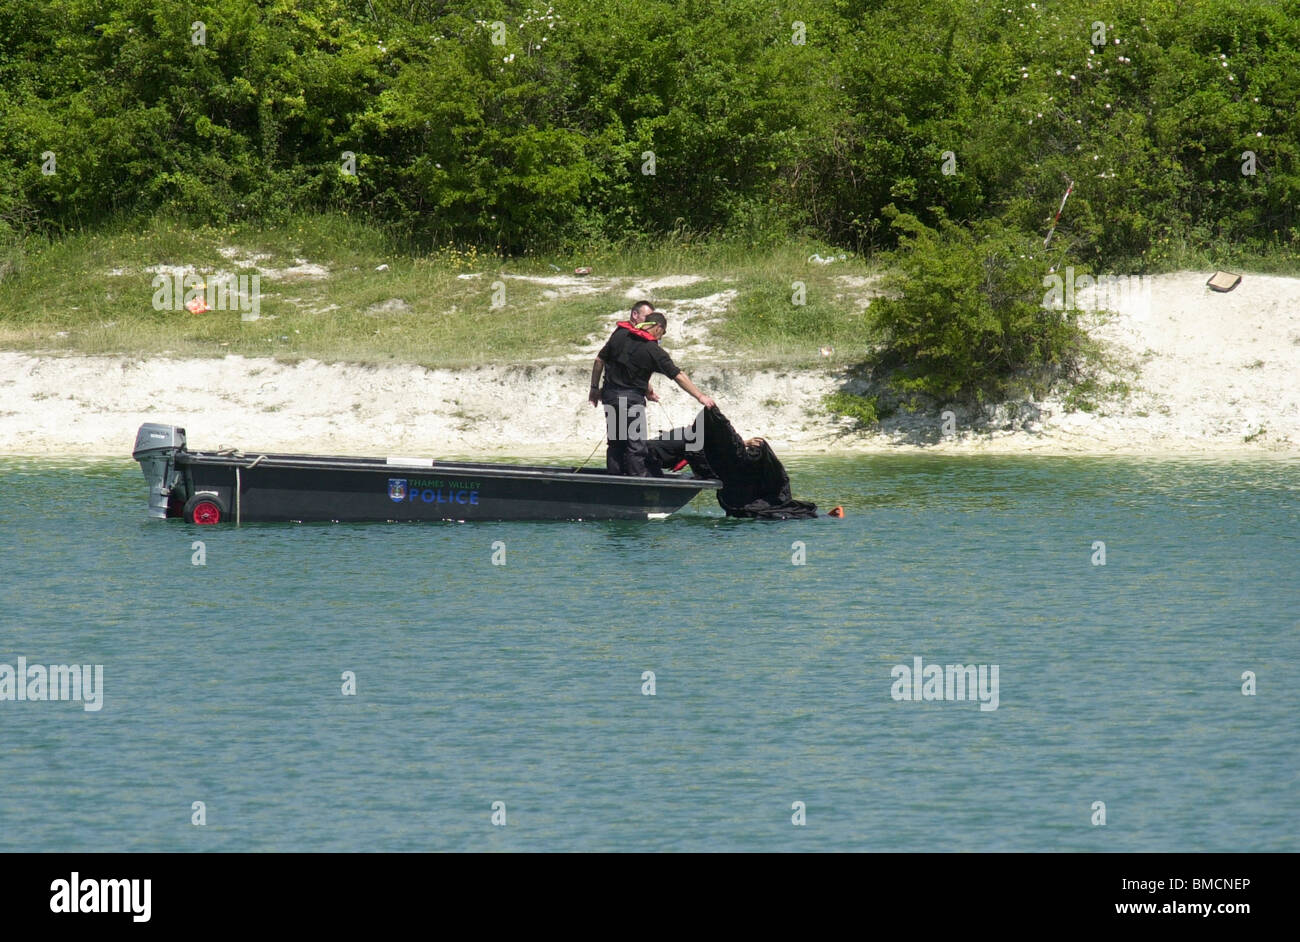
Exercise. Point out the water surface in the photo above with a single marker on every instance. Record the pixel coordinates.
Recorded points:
(522, 683)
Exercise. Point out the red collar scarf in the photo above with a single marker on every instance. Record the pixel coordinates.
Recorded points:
(637, 331)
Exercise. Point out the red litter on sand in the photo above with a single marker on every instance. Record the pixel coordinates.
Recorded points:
(196, 305)
(582, 271)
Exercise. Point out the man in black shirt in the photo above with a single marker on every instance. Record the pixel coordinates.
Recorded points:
(629, 358)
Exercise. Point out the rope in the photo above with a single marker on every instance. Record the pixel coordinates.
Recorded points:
(588, 458)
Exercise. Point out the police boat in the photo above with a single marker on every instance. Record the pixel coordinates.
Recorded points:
(231, 486)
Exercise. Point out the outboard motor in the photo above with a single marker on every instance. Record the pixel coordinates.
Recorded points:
(155, 449)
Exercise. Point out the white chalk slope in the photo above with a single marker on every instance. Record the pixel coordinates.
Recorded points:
(1216, 373)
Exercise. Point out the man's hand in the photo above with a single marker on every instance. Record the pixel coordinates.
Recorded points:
(651, 395)
(707, 402)
(594, 397)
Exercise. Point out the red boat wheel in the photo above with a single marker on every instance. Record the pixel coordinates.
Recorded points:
(206, 512)
(204, 509)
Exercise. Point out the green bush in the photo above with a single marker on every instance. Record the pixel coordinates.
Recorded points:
(964, 311)
(862, 409)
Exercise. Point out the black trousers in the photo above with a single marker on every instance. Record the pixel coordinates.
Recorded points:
(626, 435)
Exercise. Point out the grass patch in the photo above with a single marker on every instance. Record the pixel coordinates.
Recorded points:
(684, 253)
(1088, 393)
(862, 409)
(771, 326)
(1177, 253)
(701, 289)
(91, 293)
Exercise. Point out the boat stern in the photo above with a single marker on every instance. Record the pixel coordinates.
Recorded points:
(156, 447)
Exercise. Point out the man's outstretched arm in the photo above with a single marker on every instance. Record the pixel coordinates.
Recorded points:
(684, 381)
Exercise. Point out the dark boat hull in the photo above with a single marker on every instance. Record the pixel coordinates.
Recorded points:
(230, 486)
(306, 488)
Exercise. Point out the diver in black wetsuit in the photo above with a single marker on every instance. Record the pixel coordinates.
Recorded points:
(628, 360)
(755, 483)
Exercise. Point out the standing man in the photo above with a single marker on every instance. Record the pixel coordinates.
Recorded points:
(640, 310)
(629, 358)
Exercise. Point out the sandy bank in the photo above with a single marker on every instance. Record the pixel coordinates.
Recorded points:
(1211, 373)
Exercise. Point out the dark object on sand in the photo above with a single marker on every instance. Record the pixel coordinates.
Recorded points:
(1223, 281)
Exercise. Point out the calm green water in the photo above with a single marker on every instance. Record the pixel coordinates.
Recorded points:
(522, 683)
